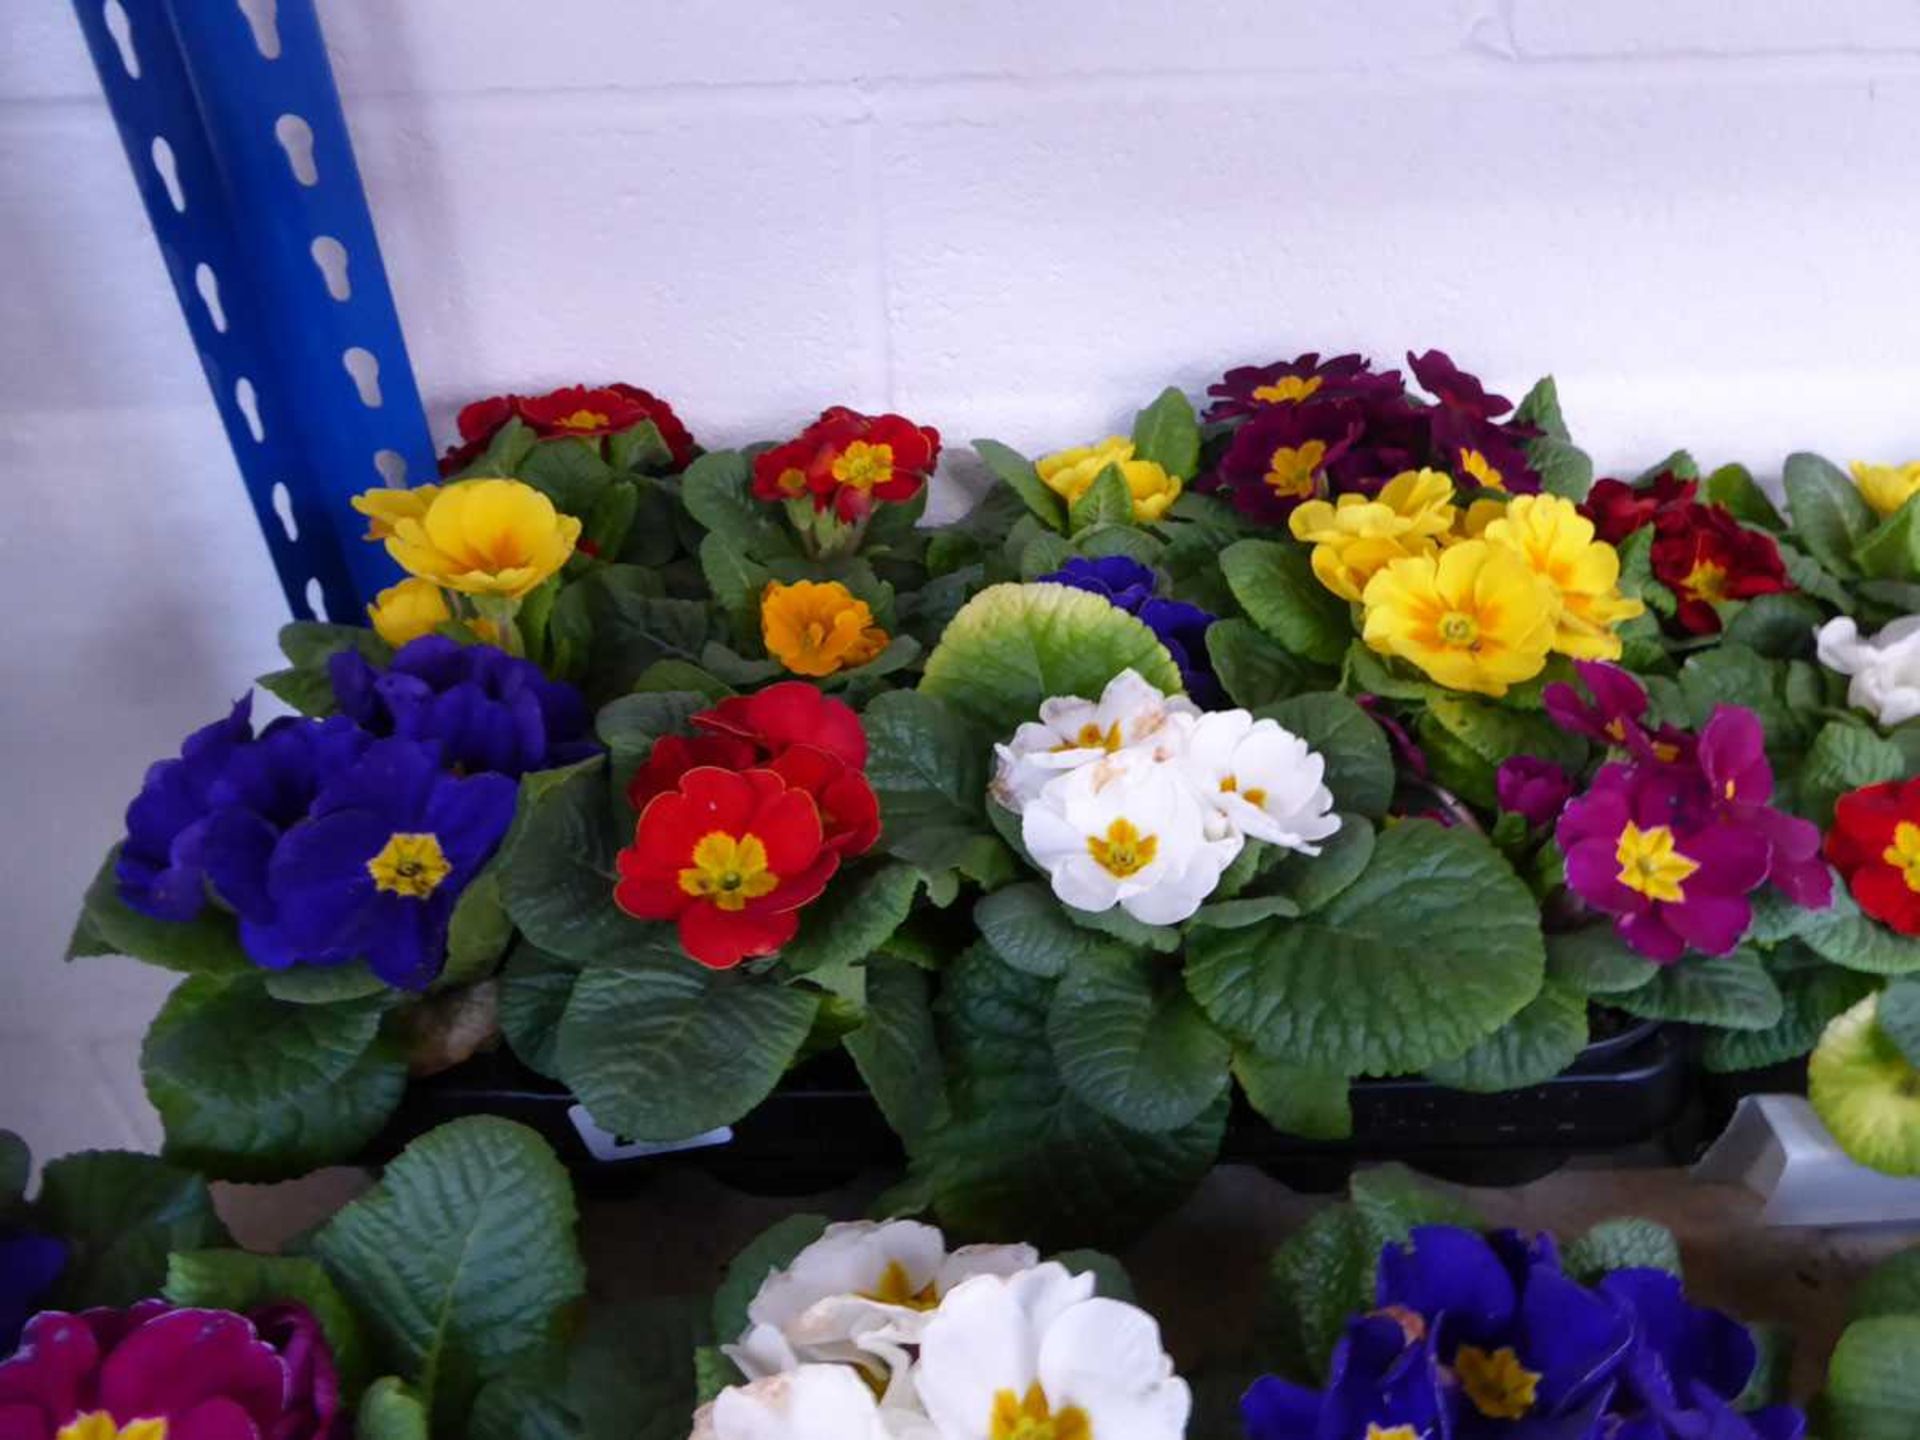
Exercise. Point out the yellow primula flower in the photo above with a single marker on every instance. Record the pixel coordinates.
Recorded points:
(484, 537)
(1558, 543)
(1473, 617)
(815, 628)
(1354, 539)
(408, 610)
(1886, 487)
(1472, 522)
(386, 508)
(1071, 473)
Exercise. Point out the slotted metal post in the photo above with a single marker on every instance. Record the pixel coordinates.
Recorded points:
(232, 125)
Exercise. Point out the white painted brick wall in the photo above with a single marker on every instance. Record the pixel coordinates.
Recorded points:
(1007, 218)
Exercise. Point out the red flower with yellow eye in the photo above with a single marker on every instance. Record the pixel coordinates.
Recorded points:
(1875, 845)
(790, 713)
(586, 411)
(1704, 555)
(731, 857)
(850, 462)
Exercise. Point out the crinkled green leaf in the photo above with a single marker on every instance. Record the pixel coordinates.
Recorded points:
(557, 872)
(1844, 757)
(897, 1050)
(1565, 469)
(1541, 409)
(1314, 1104)
(1733, 487)
(1779, 627)
(1810, 999)
(1168, 434)
(1623, 1244)
(772, 1249)
(390, 1410)
(1534, 1046)
(1829, 517)
(1255, 670)
(1733, 992)
(1873, 1380)
(209, 945)
(121, 1216)
(929, 767)
(1018, 474)
(1108, 501)
(862, 907)
(630, 1374)
(1029, 929)
(1596, 961)
(1131, 1043)
(717, 490)
(1483, 735)
(569, 471)
(1891, 1288)
(535, 986)
(1842, 934)
(1899, 1017)
(1274, 582)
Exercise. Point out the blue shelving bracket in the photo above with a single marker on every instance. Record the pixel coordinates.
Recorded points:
(231, 122)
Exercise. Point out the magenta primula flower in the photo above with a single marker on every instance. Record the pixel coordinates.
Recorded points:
(1532, 788)
(1616, 715)
(160, 1373)
(1733, 762)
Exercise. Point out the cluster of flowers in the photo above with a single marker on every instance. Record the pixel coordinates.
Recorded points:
(353, 836)
(1700, 552)
(1309, 428)
(1141, 800)
(1675, 834)
(588, 412)
(742, 823)
(1488, 1336)
(155, 1371)
(878, 1332)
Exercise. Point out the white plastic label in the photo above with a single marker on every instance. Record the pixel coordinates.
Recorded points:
(605, 1145)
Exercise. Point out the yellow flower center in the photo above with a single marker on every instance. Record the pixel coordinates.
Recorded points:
(1459, 630)
(895, 1288)
(99, 1425)
(864, 466)
(1032, 1418)
(791, 481)
(1398, 1432)
(1292, 468)
(729, 870)
(1482, 470)
(1500, 1387)
(1092, 737)
(1616, 730)
(1650, 864)
(1705, 581)
(1287, 388)
(1904, 853)
(1253, 795)
(410, 865)
(1123, 851)
(582, 420)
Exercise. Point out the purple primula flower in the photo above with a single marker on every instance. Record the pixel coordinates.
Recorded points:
(29, 1264)
(1257, 389)
(1385, 1375)
(1181, 627)
(374, 870)
(1616, 715)
(489, 710)
(1283, 457)
(203, 1374)
(1454, 388)
(1733, 762)
(1532, 788)
(161, 870)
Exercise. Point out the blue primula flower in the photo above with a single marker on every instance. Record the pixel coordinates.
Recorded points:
(1385, 1384)
(1533, 1352)
(1181, 627)
(374, 870)
(162, 869)
(29, 1264)
(489, 710)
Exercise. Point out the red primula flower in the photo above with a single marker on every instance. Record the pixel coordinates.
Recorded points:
(849, 461)
(1875, 845)
(673, 756)
(1617, 509)
(731, 857)
(849, 810)
(787, 714)
(586, 411)
(1704, 555)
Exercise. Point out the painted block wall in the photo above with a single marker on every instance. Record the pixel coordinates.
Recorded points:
(1003, 218)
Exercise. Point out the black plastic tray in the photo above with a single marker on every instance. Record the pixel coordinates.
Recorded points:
(820, 1128)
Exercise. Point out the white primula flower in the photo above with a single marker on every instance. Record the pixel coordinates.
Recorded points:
(857, 1294)
(1035, 1356)
(814, 1402)
(1885, 669)
(1264, 780)
(1072, 732)
(1127, 831)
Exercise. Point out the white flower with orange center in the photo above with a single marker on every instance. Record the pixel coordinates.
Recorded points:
(1127, 830)
(1072, 732)
(1036, 1356)
(1262, 780)
(812, 1402)
(1883, 672)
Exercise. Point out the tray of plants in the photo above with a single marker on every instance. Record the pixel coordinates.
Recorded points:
(1289, 781)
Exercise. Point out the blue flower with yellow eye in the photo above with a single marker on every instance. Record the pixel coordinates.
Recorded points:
(1181, 627)
(374, 870)
(1385, 1384)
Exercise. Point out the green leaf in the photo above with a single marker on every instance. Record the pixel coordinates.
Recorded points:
(630, 725)
(667, 1049)
(1108, 501)
(557, 874)
(209, 945)
(310, 645)
(310, 1087)
(1468, 739)
(1029, 929)
(462, 1260)
(1534, 1046)
(632, 631)
(508, 447)
(772, 1249)
(569, 471)
(1109, 538)
(1873, 1381)
(1899, 1017)
(1013, 646)
(1257, 671)
(1565, 469)
(1810, 576)
(1246, 910)
(1021, 1154)
(1168, 434)
(526, 1404)
(736, 581)
(1891, 550)
(1732, 674)
(1310, 881)
(1314, 1104)
(238, 1281)
(929, 767)
(1733, 992)
(1891, 1288)
(1018, 474)
(478, 932)
(897, 1050)
(1541, 408)
(390, 1411)
(1842, 934)
(1810, 998)
(1131, 1043)
(1623, 1244)
(1431, 950)
(1733, 487)
(1595, 961)
(1844, 757)
(1829, 517)
(630, 1375)
(717, 490)
(324, 984)
(1274, 582)
(1359, 762)
(1118, 925)
(639, 447)
(1320, 1277)
(1779, 627)
(121, 1216)
(1393, 1202)
(858, 913)
(535, 987)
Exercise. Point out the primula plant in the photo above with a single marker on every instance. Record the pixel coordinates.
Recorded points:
(1347, 729)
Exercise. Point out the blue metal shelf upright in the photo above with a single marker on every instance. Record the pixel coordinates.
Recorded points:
(231, 122)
